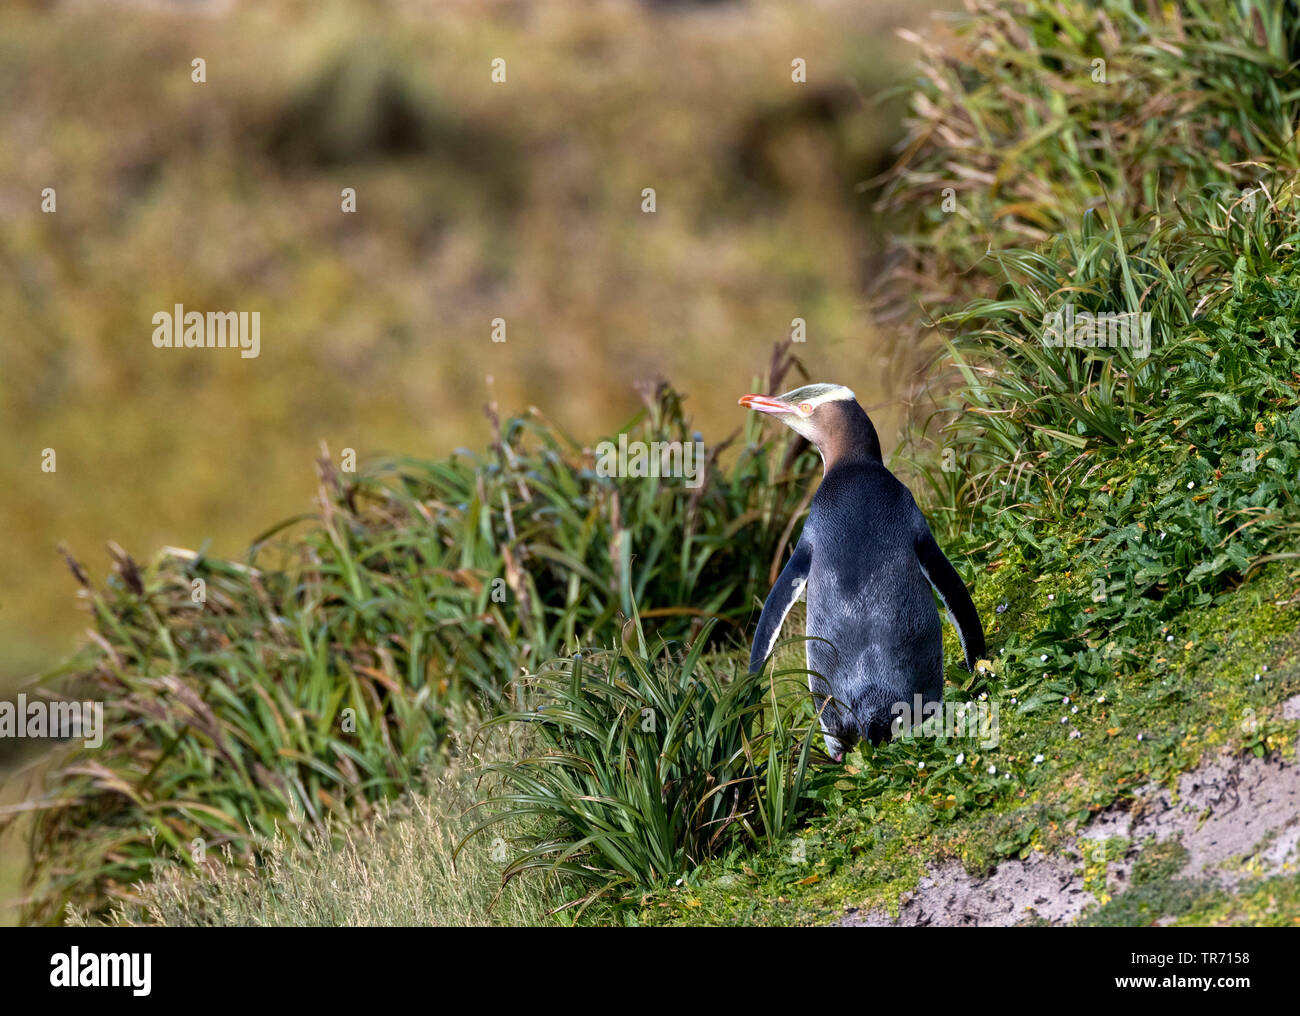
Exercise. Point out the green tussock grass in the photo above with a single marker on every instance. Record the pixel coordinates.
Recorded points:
(1029, 113)
(650, 762)
(319, 676)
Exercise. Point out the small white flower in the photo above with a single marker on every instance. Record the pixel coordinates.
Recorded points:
(1065, 700)
(1014, 700)
(1256, 677)
(1038, 759)
(1140, 737)
(1065, 719)
(1051, 596)
(1074, 734)
(1074, 709)
(920, 765)
(1169, 638)
(1101, 699)
(1266, 668)
(1043, 657)
(961, 757)
(1190, 485)
(993, 770)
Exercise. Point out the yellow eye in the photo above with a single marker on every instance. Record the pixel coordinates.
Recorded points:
(805, 407)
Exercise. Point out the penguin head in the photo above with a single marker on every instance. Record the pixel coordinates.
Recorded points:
(827, 415)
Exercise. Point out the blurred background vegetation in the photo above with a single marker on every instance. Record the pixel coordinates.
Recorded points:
(475, 200)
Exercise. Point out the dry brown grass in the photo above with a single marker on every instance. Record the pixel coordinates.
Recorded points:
(397, 869)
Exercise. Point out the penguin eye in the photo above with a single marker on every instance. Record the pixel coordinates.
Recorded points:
(805, 407)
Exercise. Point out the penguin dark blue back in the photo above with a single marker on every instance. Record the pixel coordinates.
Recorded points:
(867, 561)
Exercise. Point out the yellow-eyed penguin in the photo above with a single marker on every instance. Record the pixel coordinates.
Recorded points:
(867, 560)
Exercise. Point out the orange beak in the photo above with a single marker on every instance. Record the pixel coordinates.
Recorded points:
(765, 404)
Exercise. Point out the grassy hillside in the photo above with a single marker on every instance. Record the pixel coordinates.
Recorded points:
(540, 671)
(1141, 598)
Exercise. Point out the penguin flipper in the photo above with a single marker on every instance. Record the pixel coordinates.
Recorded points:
(956, 600)
(794, 576)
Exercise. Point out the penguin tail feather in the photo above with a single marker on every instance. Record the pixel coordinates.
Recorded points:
(875, 727)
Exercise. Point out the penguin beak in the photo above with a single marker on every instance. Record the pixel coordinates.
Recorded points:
(765, 404)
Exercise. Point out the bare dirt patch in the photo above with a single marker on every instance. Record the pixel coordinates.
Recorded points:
(1235, 817)
(1048, 887)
